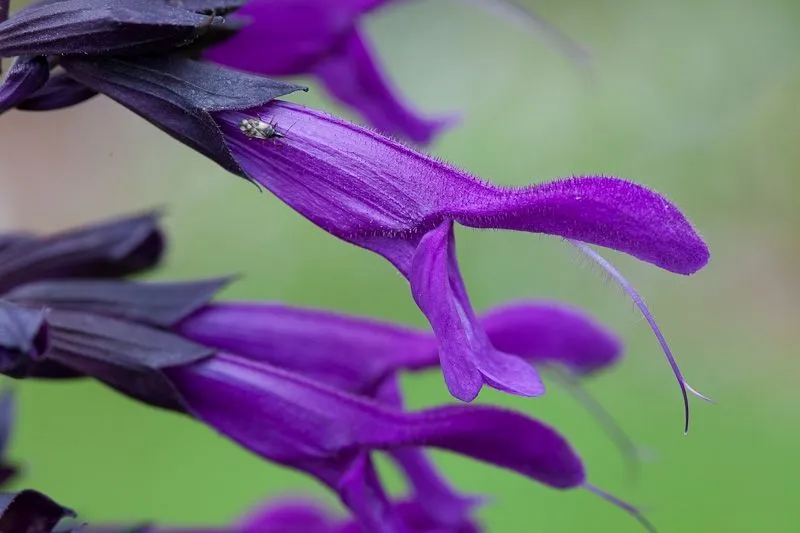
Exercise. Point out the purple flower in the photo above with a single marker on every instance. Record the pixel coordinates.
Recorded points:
(266, 37)
(255, 372)
(383, 196)
(89, 27)
(138, 52)
(325, 39)
(298, 515)
(309, 516)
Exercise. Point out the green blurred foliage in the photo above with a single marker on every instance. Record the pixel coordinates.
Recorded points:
(698, 99)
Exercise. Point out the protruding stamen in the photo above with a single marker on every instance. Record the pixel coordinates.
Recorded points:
(539, 26)
(625, 506)
(629, 450)
(639, 302)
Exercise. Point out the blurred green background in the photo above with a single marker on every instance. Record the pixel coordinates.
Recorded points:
(698, 99)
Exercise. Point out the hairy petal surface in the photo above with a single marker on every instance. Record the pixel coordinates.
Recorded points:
(368, 189)
(383, 196)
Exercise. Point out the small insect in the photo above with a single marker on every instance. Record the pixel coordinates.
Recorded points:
(258, 129)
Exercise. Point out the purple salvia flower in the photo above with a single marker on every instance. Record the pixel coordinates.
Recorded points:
(323, 38)
(310, 341)
(157, 343)
(380, 195)
(299, 515)
(309, 516)
(326, 433)
(363, 356)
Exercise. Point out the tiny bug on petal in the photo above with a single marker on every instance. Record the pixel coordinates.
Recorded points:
(258, 129)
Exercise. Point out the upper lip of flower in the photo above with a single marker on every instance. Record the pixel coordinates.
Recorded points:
(383, 196)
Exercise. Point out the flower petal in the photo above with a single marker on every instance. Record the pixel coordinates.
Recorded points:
(378, 194)
(25, 77)
(350, 353)
(303, 33)
(356, 354)
(552, 332)
(320, 37)
(283, 516)
(177, 94)
(351, 75)
(128, 357)
(301, 420)
(468, 358)
(156, 304)
(370, 191)
(123, 27)
(438, 504)
(59, 92)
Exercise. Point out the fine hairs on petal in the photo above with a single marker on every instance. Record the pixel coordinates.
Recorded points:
(628, 449)
(639, 302)
(625, 506)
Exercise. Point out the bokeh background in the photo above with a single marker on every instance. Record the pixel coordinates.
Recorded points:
(696, 99)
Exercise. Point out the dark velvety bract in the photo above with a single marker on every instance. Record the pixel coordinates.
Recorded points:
(178, 95)
(111, 249)
(107, 27)
(59, 92)
(30, 511)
